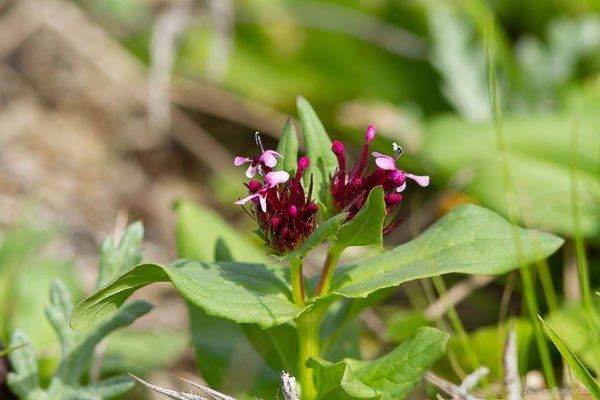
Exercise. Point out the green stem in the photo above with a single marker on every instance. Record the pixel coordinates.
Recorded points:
(308, 337)
(330, 262)
(297, 282)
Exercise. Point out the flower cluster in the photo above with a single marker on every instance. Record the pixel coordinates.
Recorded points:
(283, 210)
(350, 188)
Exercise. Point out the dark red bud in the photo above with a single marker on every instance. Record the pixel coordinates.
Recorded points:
(275, 223)
(393, 199)
(303, 165)
(337, 148)
(293, 211)
(312, 208)
(358, 182)
(254, 186)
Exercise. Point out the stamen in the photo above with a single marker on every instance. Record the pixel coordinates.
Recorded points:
(258, 141)
(398, 151)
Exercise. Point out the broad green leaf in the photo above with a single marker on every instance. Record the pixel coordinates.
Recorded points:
(220, 344)
(538, 150)
(365, 228)
(577, 366)
(245, 293)
(288, 148)
(395, 374)
(199, 229)
(318, 149)
(469, 239)
(338, 381)
(390, 377)
(326, 230)
(118, 258)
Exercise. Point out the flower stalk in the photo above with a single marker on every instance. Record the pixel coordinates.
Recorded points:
(308, 325)
(297, 279)
(328, 268)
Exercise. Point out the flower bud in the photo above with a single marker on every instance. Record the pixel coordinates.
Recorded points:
(275, 223)
(338, 150)
(312, 208)
(397, 178)
(303, 165)
(293, 211)
(393, 199)
(370, 134)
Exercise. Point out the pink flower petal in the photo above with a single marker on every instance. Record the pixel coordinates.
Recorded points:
(246, 199)
(268, 158)
(276, 177)
(241, 160)
(385, 162)
(421, 180)
(401, 188)
(251, 171)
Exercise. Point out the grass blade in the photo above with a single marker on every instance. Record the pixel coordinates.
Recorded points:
(577, 366)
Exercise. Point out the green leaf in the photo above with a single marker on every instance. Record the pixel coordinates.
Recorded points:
(76, 353)
(577, 366)
(220, 344)
(318, 149)
(199, 229)
(469, 239)
(326, 230)
(390, 377)
(116, 259)
(245, 293)
(397, 373)
(288, 148)
(365, 229)
(25, 376)
(572, 323)
(338, 381)
(539, 158)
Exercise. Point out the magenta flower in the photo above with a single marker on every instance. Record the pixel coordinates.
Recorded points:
(389, 164)
(267, 160)
(350, 189)
(272, 179)
(286, 215)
